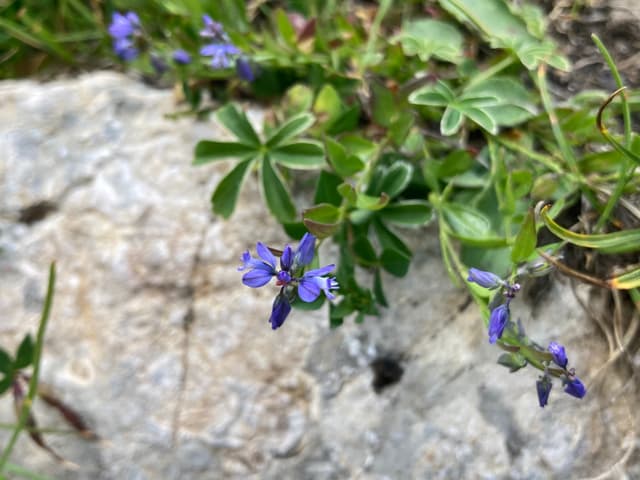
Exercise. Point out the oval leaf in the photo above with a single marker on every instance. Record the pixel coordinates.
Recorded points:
(223, 200)
(290, 129)
(396, 178)
(238, 124)
(451, 121)
(276, 194)
(525, 243)
(307, 155)
(411, 213)
(209, 151)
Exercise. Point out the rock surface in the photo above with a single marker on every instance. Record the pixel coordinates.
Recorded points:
(170, 358)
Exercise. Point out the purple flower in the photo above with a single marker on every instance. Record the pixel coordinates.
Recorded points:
(575, 387)
(122, 29)
(124, 49)
(498, 321)
(290, 277)
(212, 29)
(123, 26)
(244, 70)
(313, 282)
(158, 64)
(181, 57)
(279, 311)
(485, 279)
(220, 53)
(262, 269)
(543, 386)
(558, 354)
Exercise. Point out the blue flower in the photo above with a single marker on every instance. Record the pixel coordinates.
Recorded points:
(485, 279)
(498, 321)
(558, 353)
(212, 29)
(307, 286)
(220, 54)
(279, 311)
(244, 70)
(122, 29)
(123, 26)
(124, 49)
(543, 386)
(181, 57)
(575, 387)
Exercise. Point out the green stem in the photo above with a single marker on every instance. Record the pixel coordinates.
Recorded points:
(33, 382)
(626, 170)
(491, 71)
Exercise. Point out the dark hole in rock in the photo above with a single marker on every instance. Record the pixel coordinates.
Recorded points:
(386, 371)
(36, 212)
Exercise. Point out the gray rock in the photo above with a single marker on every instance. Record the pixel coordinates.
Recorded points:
(171, 360)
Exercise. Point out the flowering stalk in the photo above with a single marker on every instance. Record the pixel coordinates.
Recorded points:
(523, 351)
(291, 277)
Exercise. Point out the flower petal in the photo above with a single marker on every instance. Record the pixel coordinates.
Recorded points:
(309, 289)
(575, 388)
(304, 254)
(559, 354)
(286, 259)
(543, 386)
(265, 254)
(484, 279)
(279, 311)
(257, 277)
(318, 272)
(497, 322)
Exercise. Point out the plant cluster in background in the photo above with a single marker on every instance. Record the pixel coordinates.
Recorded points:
(387, 116)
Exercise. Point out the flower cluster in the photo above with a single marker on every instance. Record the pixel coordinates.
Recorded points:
(222, 50)
(127, 34)
(498, 321)
(306, 286)
(123, 30)
(499, 317)
(573, 385)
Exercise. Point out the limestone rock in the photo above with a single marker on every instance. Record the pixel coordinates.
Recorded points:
(171, 360)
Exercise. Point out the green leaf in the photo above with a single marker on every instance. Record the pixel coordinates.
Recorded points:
(378, 290)
(367, 202)
(389, 240)
(411, 213)
(322, 220)
(384, 105)
(308, 306)
(438, 95)
(6, 362)
(451, 121)
(328, 105)
(483, 119)
(347, 192)
(327, 189)
(307, 155)
(5, 383)
(426, 38)
(513, 361)
(209, 151)
(238, 124)
(396, 178)
(276, 194)
(345, 165)
(285, 29)
(627, 280)
(457, 162)
(225, 195)
(291, 128)
(346, 121)
(511, 104)
(617, 242)
(364, 251)
(395, 262)
(465, 220)
(24, 355)
(525, 243)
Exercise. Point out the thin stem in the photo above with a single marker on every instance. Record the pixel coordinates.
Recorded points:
(627, 167)
(33, 382)
(492, 70)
